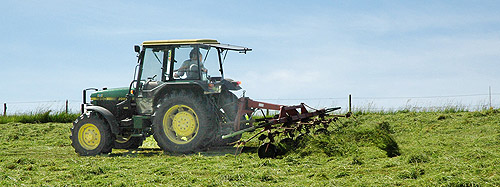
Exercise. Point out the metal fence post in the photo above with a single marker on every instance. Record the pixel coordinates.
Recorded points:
(491, 108)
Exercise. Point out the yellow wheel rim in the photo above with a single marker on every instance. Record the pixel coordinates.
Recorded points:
(89, 136)
(180, 124)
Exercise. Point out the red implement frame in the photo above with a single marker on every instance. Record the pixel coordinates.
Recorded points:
(286, 114)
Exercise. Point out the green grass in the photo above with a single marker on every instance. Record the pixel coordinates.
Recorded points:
(433, 149)
(40, 117)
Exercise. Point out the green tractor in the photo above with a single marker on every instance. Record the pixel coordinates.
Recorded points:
(179, 95)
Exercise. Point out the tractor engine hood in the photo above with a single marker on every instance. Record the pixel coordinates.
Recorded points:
(115, 94)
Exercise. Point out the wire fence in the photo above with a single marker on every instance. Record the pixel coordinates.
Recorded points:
(466, 102)
(469, 102)
(34, 107)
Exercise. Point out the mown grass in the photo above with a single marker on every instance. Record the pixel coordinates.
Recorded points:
(433, 149)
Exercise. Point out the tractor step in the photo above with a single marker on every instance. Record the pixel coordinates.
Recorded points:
(126, 122)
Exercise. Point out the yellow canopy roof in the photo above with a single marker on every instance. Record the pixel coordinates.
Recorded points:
(180, 42)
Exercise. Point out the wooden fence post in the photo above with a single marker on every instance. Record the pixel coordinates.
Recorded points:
(350, 105)
(66, 106)
(4, 109)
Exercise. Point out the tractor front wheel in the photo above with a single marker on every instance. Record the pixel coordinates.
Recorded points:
(91, 135)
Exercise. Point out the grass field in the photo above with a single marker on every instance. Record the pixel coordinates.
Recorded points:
(372, 149)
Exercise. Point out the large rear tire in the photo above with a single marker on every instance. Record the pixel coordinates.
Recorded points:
(91, 135)
(183, 123)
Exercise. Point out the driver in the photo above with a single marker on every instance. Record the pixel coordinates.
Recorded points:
(190, 66)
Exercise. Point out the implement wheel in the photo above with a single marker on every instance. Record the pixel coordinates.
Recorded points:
(183, 123)
(91, 135)
(267, 150)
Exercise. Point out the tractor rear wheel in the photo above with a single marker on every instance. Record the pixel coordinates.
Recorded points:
(183, 123)
(91, 135)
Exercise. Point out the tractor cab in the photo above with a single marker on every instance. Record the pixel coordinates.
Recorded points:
(169, 61)
(177, 64)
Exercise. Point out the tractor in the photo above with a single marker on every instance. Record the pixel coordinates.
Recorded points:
(178, 94)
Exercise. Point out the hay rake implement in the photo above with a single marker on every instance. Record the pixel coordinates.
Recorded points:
(292, 121)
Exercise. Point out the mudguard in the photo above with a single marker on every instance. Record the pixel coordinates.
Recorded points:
(110, 118)
(230, 84)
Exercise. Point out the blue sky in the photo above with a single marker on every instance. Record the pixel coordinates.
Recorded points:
(301, 49)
